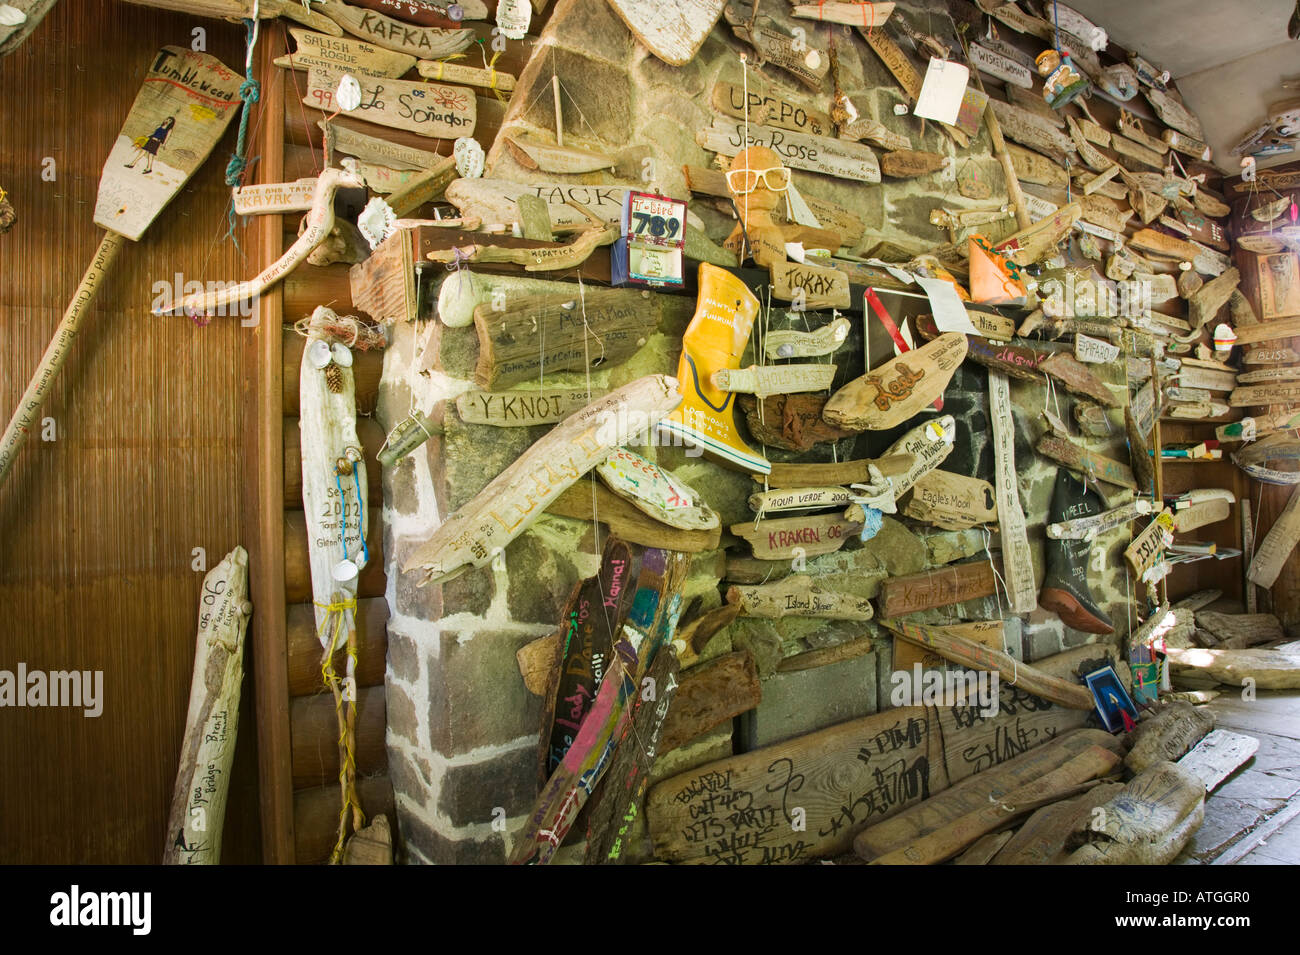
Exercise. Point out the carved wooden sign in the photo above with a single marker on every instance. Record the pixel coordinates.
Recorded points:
(896, 391)
(1158, 243)
(426, 109)
(274, 197)
(927, 444)
(1031, 130)
(799, 596)
(520, 494)
(1267, 355)
(1017, 561)
(952, 501)
(1145, 550)
(804, 61)
(788, 537)
(910, 163)
(764, 380)
(896, 62)
(810, 286)
(1279, 285)
(1003, 67)
(800, 498)
(936, 588)
(559, 333)
(1036, 168)
(521, 409)
(432, 43)
(341, 53)
(822, 341)
(1274, 394)
(1277, 544)
(770, 109)
(1094, 351)
(1268, 374)
(830, 157)
(893, 465)
(790, 422)
(1064, 451)
(1173, 113)
(198, 806)
(372, 149)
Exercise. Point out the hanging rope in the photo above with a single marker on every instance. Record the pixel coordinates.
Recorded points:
(250, 91)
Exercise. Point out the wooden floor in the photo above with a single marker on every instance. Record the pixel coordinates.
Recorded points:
(1254, 817)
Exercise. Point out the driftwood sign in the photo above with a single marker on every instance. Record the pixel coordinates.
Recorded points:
(1086, 528)
(1277, 545)
(770, 109)
(442, 71)
(426, 109)
(822, 341)
(1017, 561)
(789, 537)
(273, 198)
(431, 43)
(927, 445)
(372, 149)
(198, 807)
(989, 633)
(801, 59)
(521, 409)
(674, 30)
(341, 53)
(790, 422)
(810, 286)
(764, 380)
(799, 596)
(800, 499)
(952, 501)
(653, 491)
(895, 463)
(561, 333)
(504, 509)
(896, 391)
(936, 588)
(1003, 67)
(830, 157)
(1064, 451)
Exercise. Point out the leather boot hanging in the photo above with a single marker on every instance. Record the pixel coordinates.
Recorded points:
(1065, 587)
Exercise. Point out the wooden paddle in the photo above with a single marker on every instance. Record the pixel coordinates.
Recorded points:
(187, 101)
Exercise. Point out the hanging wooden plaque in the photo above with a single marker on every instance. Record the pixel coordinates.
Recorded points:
(952, 501)
(1017, 561)
(342, 53)
(799, 596)
(936, 588)
(1279, 285)
(899, 389)
(431, 43)
(673, 30)
(521, 409)
(788, 537)
(767, 108)
(426, 109)
(820, 154)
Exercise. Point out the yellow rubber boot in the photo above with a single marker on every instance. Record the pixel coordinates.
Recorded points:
(715, 340)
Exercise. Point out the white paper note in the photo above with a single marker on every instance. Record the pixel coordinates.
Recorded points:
(946, 306)
(942, 91)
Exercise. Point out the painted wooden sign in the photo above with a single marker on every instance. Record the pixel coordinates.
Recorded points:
(1064, 451)
(1036, 168)
(1279, 285)
(927, 444)
(936, 588)
(952, 501)
(1029, 129)
(555, 333)
(788, 537)
(382, 180)
(790, 422)
(426, 109)
(275, 197)
(1270, 394)
(1277, 545)
(830, 157)
(1039, 240)
(673, 30)
(845, 778)
(1269, 374)
(899, 389)
(799, 596)
(428, 42)
(1094, 351)
(798, 57)
(521, 409)
(539, 257)
(654, 491)
(342, 53)
(1268, 354)
(372, 149)
(430, 12)
(1148, 547)
(1003, 67)
(1017, 561)
(1087, 528)
(520, 494)
(894, 464)
(442, 71)
(770, 109)
(822, 341)
(992, 324)
(800, 499)
(810, 286)
(1149, 240)
(1173, 113)
(198, 806)
(910, 163)
(764, 380)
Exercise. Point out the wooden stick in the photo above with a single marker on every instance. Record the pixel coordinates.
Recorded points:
(1014, 192)
(56, 353)
(979, 657)
(559, 115)
(319, 223)
(198, 807)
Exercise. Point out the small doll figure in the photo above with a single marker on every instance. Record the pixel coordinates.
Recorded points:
(1061, 84)
(147, 146)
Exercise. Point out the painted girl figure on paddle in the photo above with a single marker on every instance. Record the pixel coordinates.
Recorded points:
(148, 146)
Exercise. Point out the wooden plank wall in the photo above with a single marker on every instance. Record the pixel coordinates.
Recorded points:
(99, 525)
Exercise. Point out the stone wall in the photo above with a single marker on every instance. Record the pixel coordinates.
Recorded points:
(462, 734)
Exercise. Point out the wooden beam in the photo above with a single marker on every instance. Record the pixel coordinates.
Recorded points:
(316, 738)
(264, 514)
(304, 649)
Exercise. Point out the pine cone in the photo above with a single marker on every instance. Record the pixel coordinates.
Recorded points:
(334, 378)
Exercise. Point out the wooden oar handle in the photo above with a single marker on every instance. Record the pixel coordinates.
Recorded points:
(56, 353)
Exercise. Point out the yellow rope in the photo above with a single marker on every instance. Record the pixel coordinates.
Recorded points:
(346, 717)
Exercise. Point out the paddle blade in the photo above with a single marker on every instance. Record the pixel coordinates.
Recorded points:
(185, 104)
